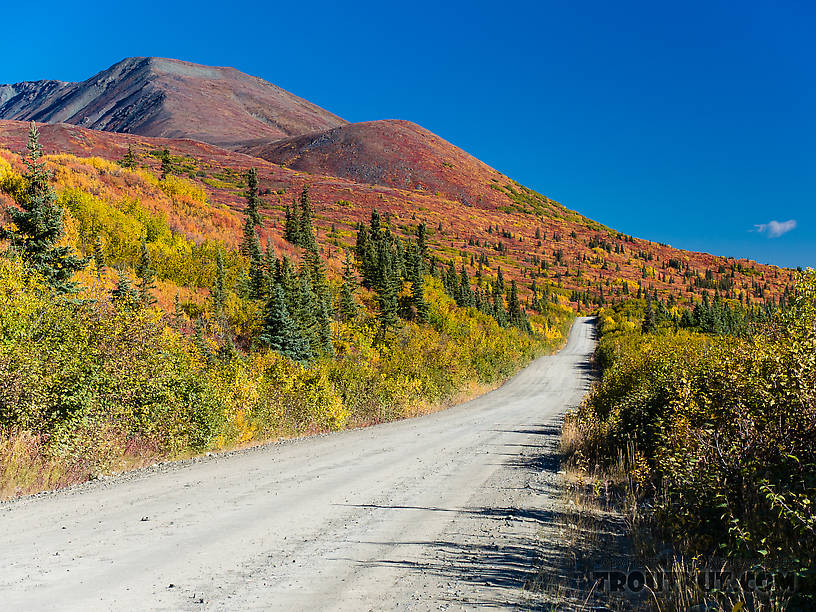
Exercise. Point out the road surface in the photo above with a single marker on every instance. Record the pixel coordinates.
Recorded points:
(437, 512)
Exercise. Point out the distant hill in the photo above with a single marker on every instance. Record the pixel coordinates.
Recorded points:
(169, 98)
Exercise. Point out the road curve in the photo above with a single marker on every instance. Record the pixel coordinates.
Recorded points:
(436, 512)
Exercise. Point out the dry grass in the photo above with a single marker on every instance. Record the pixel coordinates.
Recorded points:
(596, 497)
(27, 467)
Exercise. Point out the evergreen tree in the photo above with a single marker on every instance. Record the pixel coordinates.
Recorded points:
(387, 290)
(498, 288)
(395, 242)
(515, 313)
(288, 281)
(498, 311)
(291, 228)
(198, 339)
(124, 294)
(129, 160)
(250, 245)
(364, 250)
(270, 266)
(317, 274)
(306, 307)
(422, 241)
(166, 163)
(280, 332)
(416, 278)
(649, 318)
(465, 292)
(347, 307)
(146, 275)
(243, 285)
(38, 226)
(451, 282)
(375, 224)
(307, 233)
(253, 201)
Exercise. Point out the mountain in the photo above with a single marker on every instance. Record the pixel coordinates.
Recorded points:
(392, 153)
(169, 98)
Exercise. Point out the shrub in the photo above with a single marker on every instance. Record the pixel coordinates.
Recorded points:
(726, 426)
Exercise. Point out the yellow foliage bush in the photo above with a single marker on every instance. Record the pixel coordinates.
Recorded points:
(178, 187)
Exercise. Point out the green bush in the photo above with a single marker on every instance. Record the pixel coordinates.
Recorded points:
(724, 427)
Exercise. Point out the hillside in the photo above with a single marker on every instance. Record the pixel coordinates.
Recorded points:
(572, 253)
(393, 153)
(169, 98)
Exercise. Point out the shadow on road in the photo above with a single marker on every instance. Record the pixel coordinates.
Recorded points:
(516, 552)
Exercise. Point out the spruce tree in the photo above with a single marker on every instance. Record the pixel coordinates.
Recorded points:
(374, 224)
(250, 245)
(166, 163)
(347, 307)
(124, 294)
(257, 278)
(416, 277)
(498, 311)
(306, 237)
(498, 288)
(198, 340)
(387, 290)
(649, 318)
(451, 282)
(253, 201)
(306, 306)
(280, 332)
(287, 279)
(422, 241)
(317, 274)
(291, 228)
(465, 292)
(146, 275)
(243, 285)
(270, 261)
(515, 313)
(129, 160)
(37, 226)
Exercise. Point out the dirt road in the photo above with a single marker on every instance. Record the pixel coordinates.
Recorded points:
(437, 512)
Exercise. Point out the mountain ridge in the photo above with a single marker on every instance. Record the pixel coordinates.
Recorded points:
(169, 98)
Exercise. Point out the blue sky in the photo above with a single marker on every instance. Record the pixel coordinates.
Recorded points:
(686, 123)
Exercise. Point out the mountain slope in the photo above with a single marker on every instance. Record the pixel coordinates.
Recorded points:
(528, 236)
(169, 98)
(392, 153)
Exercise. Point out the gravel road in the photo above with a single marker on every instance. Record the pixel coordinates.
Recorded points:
(438, 512)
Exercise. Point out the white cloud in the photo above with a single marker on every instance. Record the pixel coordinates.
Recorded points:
(775, 229)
